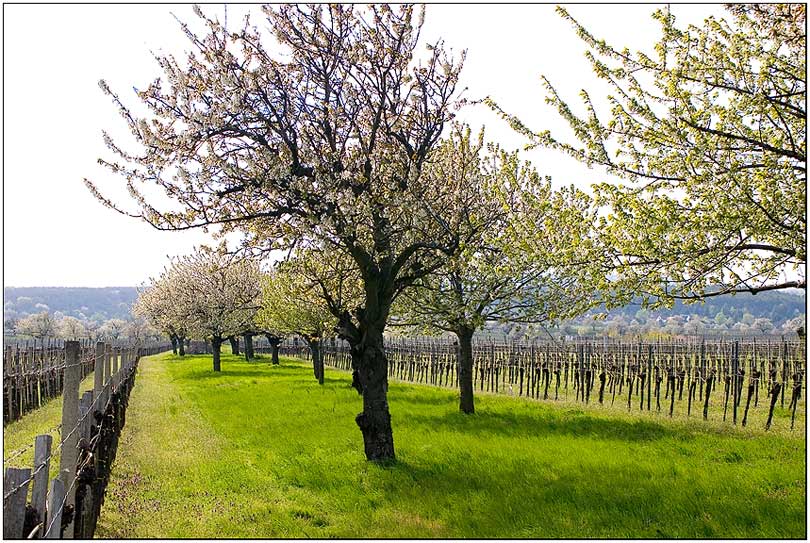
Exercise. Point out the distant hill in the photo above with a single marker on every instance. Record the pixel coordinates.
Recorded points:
(778, 306)
(100, 304)
(97, 304)
(773, 312)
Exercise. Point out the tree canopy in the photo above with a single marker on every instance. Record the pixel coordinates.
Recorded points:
(710, 133)
(491, 277)
(323, 138)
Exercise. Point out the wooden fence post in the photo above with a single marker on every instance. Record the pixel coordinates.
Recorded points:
(55, 506)
(108, 354)
(117, 361)
(85, 407)
(70, 432)
(39, 495)
(98, 373)
(84, 498)
(15, 486)
(8, 361)
(735, 370)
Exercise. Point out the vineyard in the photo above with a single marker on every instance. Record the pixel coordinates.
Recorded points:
(709, 379)
(33, 372)
(88, 435)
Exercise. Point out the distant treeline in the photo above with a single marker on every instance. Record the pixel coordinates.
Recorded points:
(736, 315)
(768, 313)
(92, 304)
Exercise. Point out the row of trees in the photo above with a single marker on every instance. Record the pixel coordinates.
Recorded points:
(343, 151)
(206, 295)
(44, 326)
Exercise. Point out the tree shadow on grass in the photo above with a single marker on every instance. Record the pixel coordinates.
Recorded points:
(545, 423)
(436, 397)
(224, 374)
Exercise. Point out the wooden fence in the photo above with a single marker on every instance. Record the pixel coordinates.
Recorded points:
(33, 373)
(698, 376)
(69, 507)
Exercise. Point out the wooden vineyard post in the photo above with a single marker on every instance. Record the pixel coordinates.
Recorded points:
(649, 376)
(794, 400)
(55, 506)
(784, 371)
(701, 371)
(117, 363)
(615, 377)
(98, 373)
(108, 354)
(725, 403)
(86, 416)
(735, 371)
(494, 367)
(602, 379)
(751, 386)
(588, 376)
(70, 418)
(671, 380)
(642, 383)
(84, 495)
(557, 383)
(630, 379)
(15, 486)
(39, 495)
(7, 370)
(566, 363)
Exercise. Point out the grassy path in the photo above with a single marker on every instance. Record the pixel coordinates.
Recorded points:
(263, 451)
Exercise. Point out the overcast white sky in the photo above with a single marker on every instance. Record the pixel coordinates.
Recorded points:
(56, 234)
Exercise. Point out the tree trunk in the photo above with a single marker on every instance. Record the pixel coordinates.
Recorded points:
(234, 341)
(375, 420)
(181, 345)
(317, 354)
(216, 343)
(173, 339)
(274, 341)
(317, 358)
(357, 383)
(465, 369)
(249, 355)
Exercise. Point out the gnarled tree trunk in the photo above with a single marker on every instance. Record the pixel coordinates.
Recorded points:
(317, 357)
(234, 341)
(375, 420)
(216, 344)
(274, 341)
(173, 339)
(181, 345)
(465, 370)
(249, 355)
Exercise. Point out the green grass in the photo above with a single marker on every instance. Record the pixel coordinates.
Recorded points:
(264, 451)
